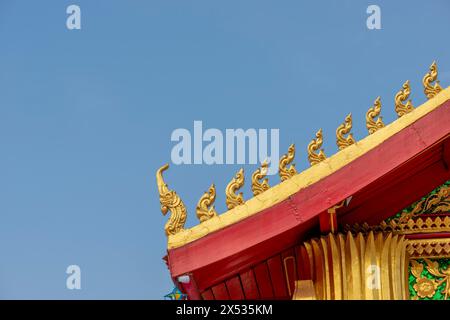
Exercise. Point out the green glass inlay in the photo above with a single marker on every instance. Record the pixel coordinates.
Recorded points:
(440, 291)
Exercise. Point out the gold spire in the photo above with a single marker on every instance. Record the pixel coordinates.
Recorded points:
(205, 208)
(402, 96)
(233, 199)
(170, 201)
(374, 111)
(341, 141)
(431, 89)
(285, 172)
(313, 146)
(259, 186)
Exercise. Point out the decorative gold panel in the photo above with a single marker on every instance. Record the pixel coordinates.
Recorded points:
(371, 266)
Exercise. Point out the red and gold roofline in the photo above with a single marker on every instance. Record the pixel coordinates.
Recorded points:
(292, 181)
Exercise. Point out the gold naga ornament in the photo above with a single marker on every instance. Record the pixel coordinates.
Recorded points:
(258, 184)
(285, 172)
(313, 147)
(373, 112)
(341, 141)
(205, 208)
(232, 199)
(402, 96)
(431, 89)
(170, 201)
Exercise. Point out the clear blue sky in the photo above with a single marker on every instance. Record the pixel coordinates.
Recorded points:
(86, 116)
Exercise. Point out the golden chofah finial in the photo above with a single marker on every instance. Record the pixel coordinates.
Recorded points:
(232, 199)
(259, 185)
(402, 96)
(373, 112)
(431, 89)
(284, 172)
(170, 201)
(341, 141)
(313, 146)
(205, 208)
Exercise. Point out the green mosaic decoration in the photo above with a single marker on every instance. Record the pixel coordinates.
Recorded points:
(429, 279)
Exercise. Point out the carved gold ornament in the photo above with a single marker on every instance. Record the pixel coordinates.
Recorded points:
(402, 96)
(341, 141)
(170, 201)
(349, 267)
(435, 202)
(418, 220)
(232, 199)
(205, 208)
(373, 112)
(258, 184)
(429, 248)
(425, 287)
(313, 146)
(284, 171)
(431, 89)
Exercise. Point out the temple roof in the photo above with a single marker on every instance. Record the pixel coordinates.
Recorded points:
(366, 181)
(321, 167)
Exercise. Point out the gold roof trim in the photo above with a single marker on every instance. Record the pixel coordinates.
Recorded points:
(280, 192)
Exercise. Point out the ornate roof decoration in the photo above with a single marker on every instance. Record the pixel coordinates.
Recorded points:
(170, 201)
(205, 208)
(313, 146)
(421, 217)
(341, 141)
(373, 112)
(258, 184)
(291, 180)
(401, 97)
(286, 172)
(233, 200)
(431, 89)
(433, 280)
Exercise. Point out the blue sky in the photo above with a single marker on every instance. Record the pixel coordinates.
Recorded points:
(86, 116)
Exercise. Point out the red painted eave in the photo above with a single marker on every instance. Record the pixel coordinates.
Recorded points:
(381, 182)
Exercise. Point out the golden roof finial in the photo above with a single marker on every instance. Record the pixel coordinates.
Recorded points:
(170, 201)
(431, 89)
(259, 185)
(313, 146)
(284, 172)
(402, 96)
(341, 141)
(205, 208)
(232, 199)
(374, 111)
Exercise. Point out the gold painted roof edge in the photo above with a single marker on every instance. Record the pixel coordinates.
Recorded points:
(311, 175)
